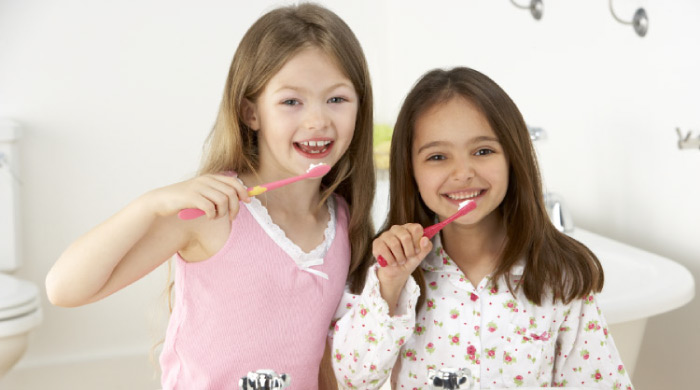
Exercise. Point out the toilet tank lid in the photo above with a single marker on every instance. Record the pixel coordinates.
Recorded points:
(9, 130)
(15, 292)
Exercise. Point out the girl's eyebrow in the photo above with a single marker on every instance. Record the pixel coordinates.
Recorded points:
(446, 143)
(432, 144)
(302, 89)
(485, 138)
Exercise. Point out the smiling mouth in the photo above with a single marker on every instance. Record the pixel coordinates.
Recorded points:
(313, 147)
(460, 196)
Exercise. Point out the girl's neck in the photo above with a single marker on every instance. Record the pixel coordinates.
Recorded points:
(295, 209)
(475, 248)
(299, 198)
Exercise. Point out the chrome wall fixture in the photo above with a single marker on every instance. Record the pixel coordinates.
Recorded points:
(536, 133)
(640, 21)
(536, 8)
(687, 142)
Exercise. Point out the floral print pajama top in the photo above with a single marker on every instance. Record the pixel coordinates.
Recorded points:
(505, 341)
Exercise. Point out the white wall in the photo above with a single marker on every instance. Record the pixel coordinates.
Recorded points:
(117, 98)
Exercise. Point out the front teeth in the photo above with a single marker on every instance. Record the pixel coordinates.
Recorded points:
(315, 143)
(464, 195)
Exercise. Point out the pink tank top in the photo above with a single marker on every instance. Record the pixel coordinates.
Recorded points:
(258, 303)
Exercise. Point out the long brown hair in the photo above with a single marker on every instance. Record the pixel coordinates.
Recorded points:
(555, 262)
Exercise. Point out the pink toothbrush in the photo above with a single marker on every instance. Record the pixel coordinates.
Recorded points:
(431, 231)
(314, 171)
(464, 208)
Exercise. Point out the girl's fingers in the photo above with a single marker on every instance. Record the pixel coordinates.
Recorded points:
(236, 192)
(402, 245)
(425, 246)
(382, 253)
(416, 231)
(409, 240)
(223, 192)
(207, 206)
(397, 249)
(408, 237)
(240, 189)
(219, 201)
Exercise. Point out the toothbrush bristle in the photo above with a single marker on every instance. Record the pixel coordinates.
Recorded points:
(464, 203)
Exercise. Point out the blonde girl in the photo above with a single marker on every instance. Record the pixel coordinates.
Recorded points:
(499, 292)
(256, 282)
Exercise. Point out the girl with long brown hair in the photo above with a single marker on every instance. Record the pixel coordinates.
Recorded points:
(499, 293)
(256, 283)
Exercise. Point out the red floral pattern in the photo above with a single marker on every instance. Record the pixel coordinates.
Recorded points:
(523, 344)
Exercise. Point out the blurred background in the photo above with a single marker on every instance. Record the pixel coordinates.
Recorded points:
(116, 98)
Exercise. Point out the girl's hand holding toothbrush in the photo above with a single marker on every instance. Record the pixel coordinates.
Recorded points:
(217, 195)
(315, 171)
(401, 248)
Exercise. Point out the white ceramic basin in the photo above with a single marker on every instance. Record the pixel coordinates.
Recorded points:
(638, 284)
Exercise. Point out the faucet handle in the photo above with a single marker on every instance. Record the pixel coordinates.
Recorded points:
(450, 378)
(558, 213)
(264, 380)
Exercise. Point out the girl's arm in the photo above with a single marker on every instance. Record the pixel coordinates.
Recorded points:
(138, 239)
(587, 353)
(372, 327)
(402, 248)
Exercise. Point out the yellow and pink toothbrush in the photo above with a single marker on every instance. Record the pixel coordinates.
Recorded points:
(314, 171)
(431, 231)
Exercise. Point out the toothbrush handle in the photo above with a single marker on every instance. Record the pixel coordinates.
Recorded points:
(431, 231)
(187, 214)
(283, 182)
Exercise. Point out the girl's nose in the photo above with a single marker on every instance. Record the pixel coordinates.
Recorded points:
(316, 118)
(462, 171)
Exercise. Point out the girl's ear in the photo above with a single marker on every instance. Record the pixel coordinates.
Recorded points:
(250, 114)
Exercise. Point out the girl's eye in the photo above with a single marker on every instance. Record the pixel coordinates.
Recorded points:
(436, 157)
(290, 102)
(336, 100)
(483, 152)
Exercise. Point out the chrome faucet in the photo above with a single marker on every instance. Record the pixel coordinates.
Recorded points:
(264, 380)
(450, 378)
(558, 213)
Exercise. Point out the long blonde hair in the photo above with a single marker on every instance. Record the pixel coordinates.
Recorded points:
(267, 45)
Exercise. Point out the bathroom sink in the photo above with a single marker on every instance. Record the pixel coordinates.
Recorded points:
(638, 284)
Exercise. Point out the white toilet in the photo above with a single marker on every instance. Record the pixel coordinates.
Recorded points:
(20, 306)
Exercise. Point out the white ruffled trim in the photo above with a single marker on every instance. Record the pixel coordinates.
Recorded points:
(303, 260)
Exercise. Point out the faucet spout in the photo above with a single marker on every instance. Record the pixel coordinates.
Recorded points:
(558, 213)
